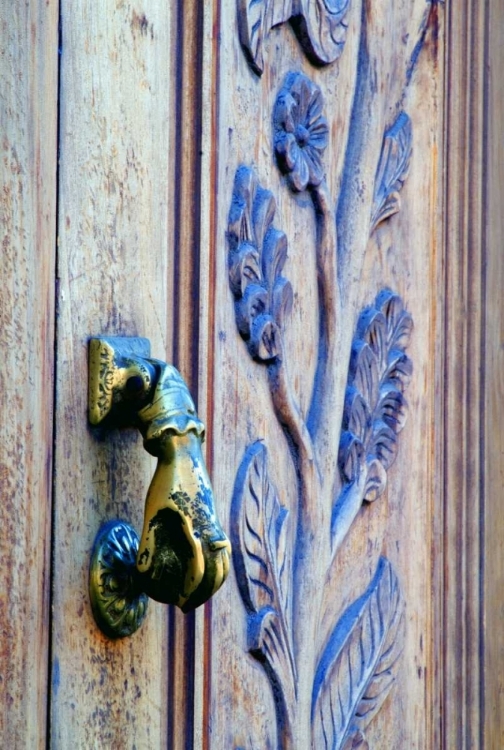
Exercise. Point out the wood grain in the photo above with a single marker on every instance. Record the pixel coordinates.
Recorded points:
(403, 254)
(28, 122)
(493, 397)
(464, 379)
(158, 107)
(187, 311)
(114, 267)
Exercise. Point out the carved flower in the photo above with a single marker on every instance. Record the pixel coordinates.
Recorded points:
(300, 132)
(257, 254)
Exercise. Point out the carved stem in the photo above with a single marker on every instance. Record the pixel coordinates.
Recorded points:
(287, 410)
(306, 588)
(315, 492)
(305, 464)
(345, 512)
(299, 438)
(323, 422)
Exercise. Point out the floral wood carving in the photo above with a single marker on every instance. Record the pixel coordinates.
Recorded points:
(319, 25)
(375, 407)
(283, 600)
(300, 132)
(328, 685)
(263, 566)
(357, 667)
(392, 169)
(258, 253)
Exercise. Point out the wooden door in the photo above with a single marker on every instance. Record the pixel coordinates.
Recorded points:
(298, 203)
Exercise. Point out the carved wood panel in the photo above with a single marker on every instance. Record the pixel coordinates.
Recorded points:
(312, 370)
(223, 150)
(279, 589)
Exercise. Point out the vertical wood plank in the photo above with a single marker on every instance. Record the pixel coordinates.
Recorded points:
(463, 427)
(493, 400)
(404, 255)
(28, 133)
(188, 310)
(114, 266)
(208, 362)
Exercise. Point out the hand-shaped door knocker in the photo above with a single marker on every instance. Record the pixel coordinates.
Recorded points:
(183, 554)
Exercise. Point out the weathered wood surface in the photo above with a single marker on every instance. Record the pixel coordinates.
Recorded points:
(117, 130)
(188, 309)
(159, 106)
(404, 254)
(28, 123)
(493, 389)
(463, 433)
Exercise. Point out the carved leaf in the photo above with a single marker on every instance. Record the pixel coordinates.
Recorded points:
(356, 741)
(274, 255)
(392, 406)
(257, 254)
(321, 28)
(319, 25)
(282, 297)
(399, 323)
(375, 407)
(255, 19)
(252, 304)
(392, 169)
(351, 456)
(259, 534)
(264, 343)
(375, 480)
(252, 210)
(244, 269)
(358, 666)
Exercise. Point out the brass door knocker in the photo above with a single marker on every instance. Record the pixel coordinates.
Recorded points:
(183, 554)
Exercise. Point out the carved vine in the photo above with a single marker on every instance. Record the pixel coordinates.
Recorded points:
(339, 465)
